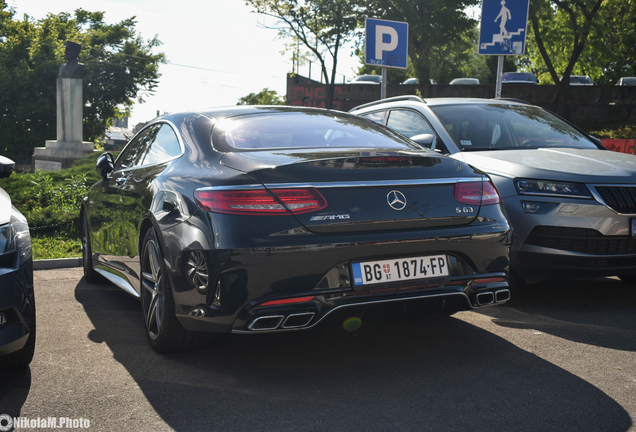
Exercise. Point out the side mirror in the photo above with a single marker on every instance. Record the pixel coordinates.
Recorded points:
(6, 167)
(425, 140)
(105, 165)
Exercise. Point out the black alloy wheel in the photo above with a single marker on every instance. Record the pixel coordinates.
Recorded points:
(87, 255)
(164, 332)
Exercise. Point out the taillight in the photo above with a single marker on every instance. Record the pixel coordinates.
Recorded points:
(260, 202)
(476, 193)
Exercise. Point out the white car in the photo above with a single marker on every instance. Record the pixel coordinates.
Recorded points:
(465, 81)
(626, 81)
(367, 79)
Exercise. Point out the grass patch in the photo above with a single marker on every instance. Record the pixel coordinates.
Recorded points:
(55, 246)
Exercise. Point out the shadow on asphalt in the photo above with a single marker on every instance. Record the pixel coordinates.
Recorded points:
(591, 311)
(401, 375)
(15, 385)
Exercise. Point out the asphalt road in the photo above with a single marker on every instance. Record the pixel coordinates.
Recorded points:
(560, 356)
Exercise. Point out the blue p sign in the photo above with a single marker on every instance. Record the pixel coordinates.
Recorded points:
(386, 43)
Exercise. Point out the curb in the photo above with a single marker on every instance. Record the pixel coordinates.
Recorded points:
(58, 263)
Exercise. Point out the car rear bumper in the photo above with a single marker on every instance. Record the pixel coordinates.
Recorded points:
(319, 283)
(435, 300)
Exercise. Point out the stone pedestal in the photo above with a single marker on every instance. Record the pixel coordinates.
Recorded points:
(69, 145)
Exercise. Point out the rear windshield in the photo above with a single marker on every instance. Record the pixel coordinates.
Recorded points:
(518, 77)
(478, 127)
(276, 130)
(580, 79)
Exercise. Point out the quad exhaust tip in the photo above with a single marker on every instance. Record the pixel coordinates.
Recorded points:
(489, 298)
(281, 322)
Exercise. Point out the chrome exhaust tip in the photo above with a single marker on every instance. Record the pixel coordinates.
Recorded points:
(485, 298)
(298, 320)
(502, 295)
(270, 322)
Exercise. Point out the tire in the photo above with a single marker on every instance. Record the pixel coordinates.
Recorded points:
(22, 358)
(87, 254)
(163, 330)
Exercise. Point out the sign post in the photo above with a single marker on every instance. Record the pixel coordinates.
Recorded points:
(386, 46)
(503, 31)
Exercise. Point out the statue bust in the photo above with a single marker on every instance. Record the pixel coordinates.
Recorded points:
(72, 68)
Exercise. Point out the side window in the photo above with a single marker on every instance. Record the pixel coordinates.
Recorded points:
(165, 146)
(135, 151)
(408, 123)
(377, 116)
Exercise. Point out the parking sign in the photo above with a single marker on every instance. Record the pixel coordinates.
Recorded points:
(386, 43)
(503, 27)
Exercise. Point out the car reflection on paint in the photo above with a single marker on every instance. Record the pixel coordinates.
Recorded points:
(265, 219)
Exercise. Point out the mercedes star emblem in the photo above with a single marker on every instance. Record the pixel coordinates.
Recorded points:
(396, 200)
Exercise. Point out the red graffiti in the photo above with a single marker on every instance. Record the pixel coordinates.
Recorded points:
(620, 145)
(313, 97)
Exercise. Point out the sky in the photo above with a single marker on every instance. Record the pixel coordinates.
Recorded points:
(217, 50)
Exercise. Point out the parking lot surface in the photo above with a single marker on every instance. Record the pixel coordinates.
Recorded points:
(560, 356)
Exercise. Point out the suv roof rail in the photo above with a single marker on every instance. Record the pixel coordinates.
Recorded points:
(391, 99)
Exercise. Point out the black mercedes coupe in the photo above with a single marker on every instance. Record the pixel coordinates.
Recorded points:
(263, 219)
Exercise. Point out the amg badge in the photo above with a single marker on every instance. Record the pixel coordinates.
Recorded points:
(329, 217)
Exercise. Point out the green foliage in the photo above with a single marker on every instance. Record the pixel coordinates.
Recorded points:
(264, 97)
(559, 35)
(119, 67)
(612, 47)
(50, 201)
(62, 196)
(609, 131)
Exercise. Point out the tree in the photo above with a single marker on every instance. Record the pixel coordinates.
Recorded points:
(613, 42)
(561, 30)
(119, 69)
(434, 25)
(322, 26)
(264, 97)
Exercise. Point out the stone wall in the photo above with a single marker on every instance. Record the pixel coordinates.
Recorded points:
(593, 103)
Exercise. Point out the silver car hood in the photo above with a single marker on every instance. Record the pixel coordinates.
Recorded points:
(591, 166)
(5, 207)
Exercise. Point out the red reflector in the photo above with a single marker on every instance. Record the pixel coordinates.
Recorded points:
(489, 280)
(476, 193)
(261, 201)
(288, 301)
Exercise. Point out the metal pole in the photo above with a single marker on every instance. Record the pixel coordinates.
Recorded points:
(500, 62)
(383, 85)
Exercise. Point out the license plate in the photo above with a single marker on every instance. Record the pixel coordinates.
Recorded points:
(402, 269)
(633, 227)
